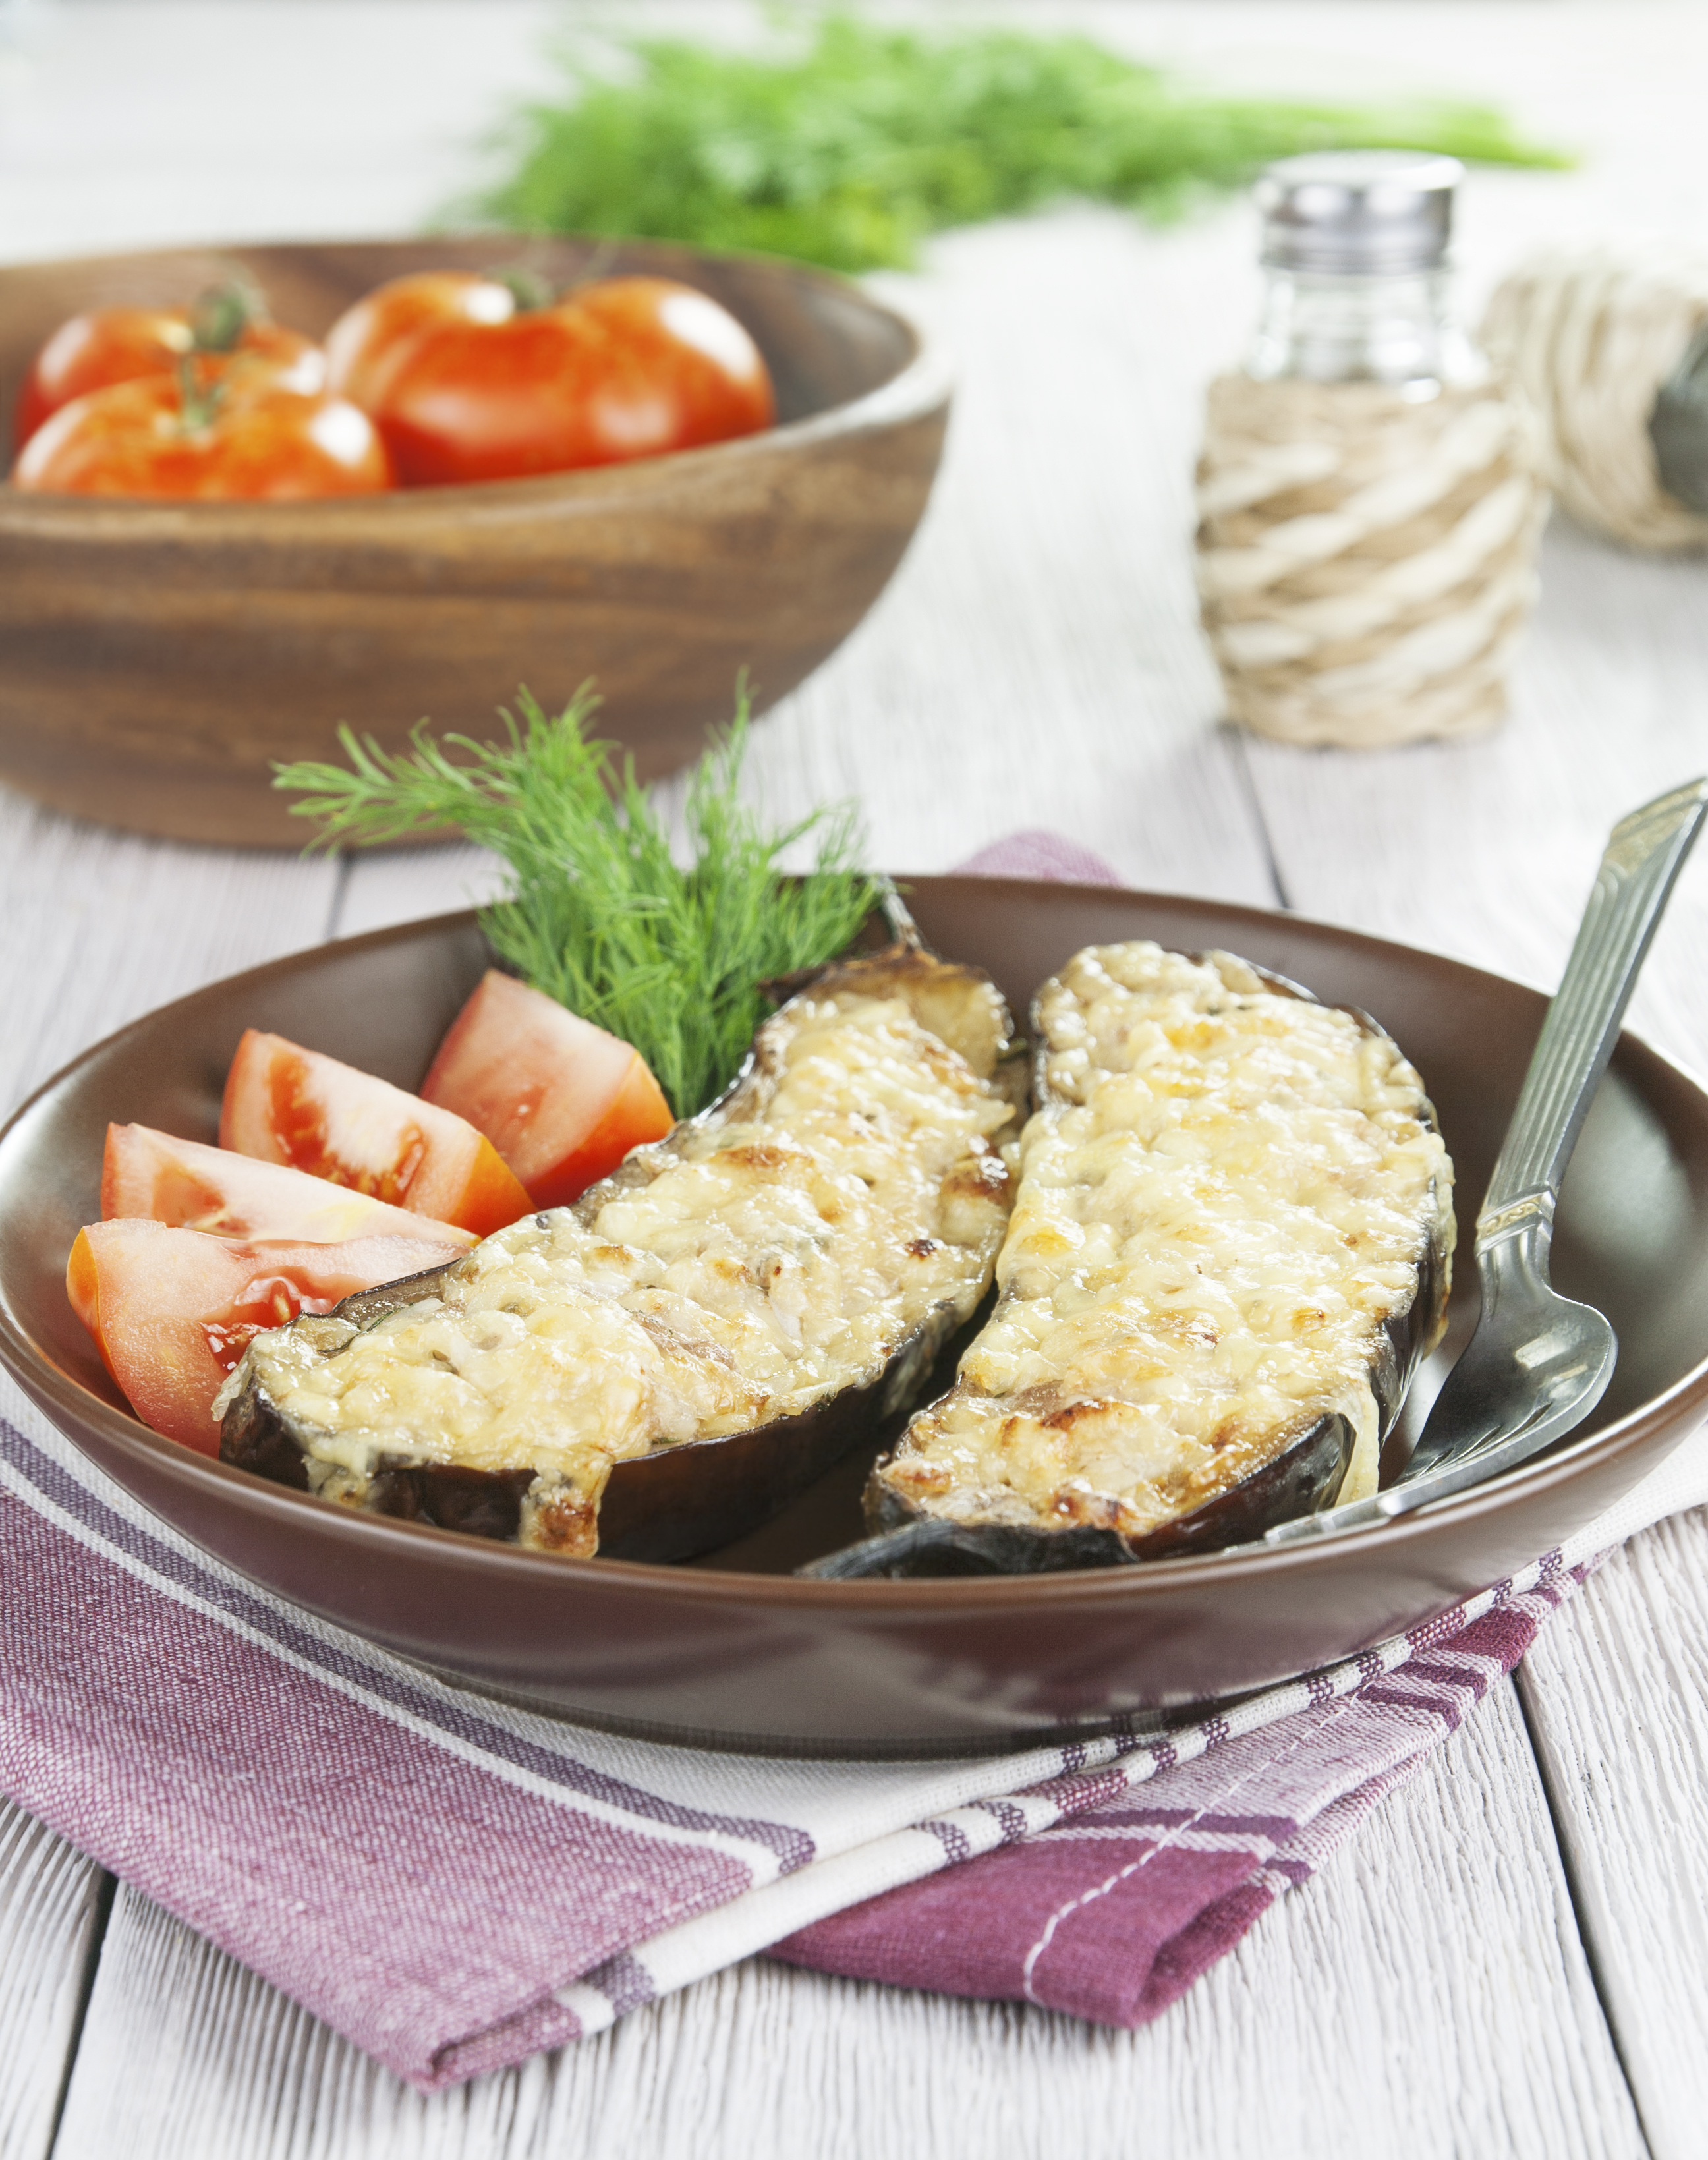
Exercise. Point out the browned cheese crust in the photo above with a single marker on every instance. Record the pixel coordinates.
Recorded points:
(1230, 1247)
(783, 1264)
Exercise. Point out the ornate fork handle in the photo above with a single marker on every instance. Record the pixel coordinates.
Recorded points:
(1642, 861)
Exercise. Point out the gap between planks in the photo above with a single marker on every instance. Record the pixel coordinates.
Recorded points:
(54, 1902)
(103, 926)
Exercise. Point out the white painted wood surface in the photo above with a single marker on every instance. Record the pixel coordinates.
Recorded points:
(51, 1906)
(1618, 1701)
(1440, 1990)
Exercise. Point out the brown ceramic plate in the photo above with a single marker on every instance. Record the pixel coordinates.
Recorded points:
(736, 1651)
(156, 657)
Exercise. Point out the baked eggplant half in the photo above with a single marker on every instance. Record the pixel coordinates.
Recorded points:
(702, 1333)
(1230, 1247)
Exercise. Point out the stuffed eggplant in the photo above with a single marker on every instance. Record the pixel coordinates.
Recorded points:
(702, 1333)
(1230, 1247)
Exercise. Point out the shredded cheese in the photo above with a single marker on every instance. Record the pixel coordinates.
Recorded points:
(1226, 1195)
(734, 1274)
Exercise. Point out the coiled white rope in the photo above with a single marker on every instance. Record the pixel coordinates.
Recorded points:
(1366, 560)
(1589, 331)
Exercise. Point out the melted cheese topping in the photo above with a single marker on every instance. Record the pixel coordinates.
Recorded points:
(731, 1275)
(1227, 1193)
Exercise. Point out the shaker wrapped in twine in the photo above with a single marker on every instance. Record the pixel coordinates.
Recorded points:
(1369, 493)
(1365, 559)
(1591, 332)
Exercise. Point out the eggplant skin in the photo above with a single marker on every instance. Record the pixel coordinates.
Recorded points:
(667, 1505)
(254, 1437)
(677, 1501)
(683, 1498)
(908, 1543)
(480, 1503)
(1307, 1472)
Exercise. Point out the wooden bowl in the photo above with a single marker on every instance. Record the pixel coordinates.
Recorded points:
(735, 1650)
(155, 658)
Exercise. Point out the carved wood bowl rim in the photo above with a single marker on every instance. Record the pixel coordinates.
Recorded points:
(922, 383)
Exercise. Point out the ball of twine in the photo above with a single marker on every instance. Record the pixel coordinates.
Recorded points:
(1590, 332)
(1366, 560)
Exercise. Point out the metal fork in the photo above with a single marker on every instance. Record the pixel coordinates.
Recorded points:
(1539, 1362)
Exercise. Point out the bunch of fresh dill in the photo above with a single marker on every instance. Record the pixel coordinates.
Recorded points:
(600, 915)
(849, 142)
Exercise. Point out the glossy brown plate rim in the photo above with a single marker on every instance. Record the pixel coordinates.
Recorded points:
(50, 1384)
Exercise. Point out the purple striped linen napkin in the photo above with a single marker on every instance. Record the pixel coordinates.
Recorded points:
(453, 1884)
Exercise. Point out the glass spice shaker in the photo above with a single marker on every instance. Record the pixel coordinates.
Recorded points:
(1369, 491)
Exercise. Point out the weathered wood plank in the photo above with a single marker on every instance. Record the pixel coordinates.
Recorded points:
(1425, 1996)
(1488, 849)
(399, 884)
(50, 1901)
(99, 927)
(102, 926)
(1036, 664)
(1618, 1707)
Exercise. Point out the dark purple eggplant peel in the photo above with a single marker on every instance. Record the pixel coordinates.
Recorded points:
(963, 1492)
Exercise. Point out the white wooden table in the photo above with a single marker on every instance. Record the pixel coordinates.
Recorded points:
(1513, 1956)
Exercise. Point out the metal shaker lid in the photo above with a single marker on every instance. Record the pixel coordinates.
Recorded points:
(1351, 213)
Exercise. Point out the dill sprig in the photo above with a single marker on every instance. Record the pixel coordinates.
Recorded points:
(600, 915)
(850, 141)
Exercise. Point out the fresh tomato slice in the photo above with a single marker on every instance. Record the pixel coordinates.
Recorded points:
(173, 1311)
(150, 1175)
(247, 439)
(627, 367)
(561, 1101)
(369, 343)
(93, 351)
(299, 1107)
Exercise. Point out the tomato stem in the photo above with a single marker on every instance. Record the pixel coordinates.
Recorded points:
(530, 289)
(198, 402)
(222, 314)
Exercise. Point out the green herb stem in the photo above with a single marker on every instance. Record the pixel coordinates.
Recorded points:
(600, 915)
(850, 142)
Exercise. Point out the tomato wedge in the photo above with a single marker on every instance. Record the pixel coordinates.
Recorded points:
(152, 1176)
(561, 1101)
(293, 1106)
(173, 1311)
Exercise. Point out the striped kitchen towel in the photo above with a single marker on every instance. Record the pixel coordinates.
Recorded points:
(454, 1883)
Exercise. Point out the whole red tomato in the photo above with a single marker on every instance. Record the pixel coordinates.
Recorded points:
(627, 367)
(123, 345)
(225, 442)
(370, 340)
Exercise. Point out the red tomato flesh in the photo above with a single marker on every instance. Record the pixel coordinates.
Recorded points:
(173, 1311)
(264, 443)
(561, 1101)
(121, 344)
(297, 1106)
(628, 367)
(369, 343)
(152, 1176)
